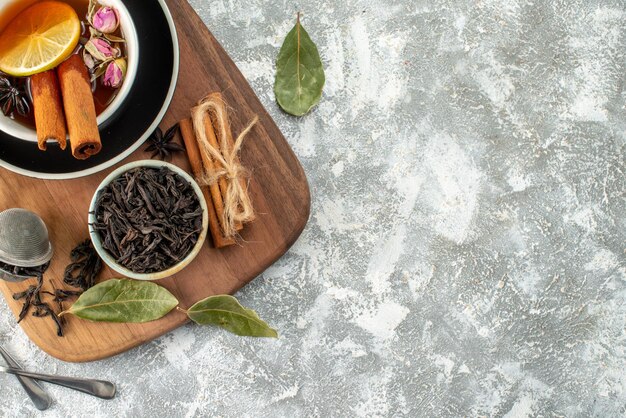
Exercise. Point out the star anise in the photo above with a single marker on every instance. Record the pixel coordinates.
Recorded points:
(13, 98)
(162, 144)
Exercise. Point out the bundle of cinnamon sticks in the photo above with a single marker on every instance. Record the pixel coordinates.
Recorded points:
(63, 102)
(214, 158)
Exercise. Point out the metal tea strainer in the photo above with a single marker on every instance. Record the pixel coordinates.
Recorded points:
(24, 241)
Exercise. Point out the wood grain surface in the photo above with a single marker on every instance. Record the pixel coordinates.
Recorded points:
(278, 188)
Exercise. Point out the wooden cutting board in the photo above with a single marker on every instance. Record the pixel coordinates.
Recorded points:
(278, 188)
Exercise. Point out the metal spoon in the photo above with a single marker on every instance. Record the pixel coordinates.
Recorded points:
(97, 388)
(36, 393)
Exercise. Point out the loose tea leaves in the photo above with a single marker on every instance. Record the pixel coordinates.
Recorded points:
(85, 267)
(148, 219)
(81, 273)
(299, 73)
(32, 295)
(24, 271)
(226, 312)
(123, 301)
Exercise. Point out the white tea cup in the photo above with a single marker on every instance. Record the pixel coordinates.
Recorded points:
(11, 8)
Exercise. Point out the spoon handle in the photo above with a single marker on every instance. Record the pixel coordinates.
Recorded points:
(40, 398)
(98, 388)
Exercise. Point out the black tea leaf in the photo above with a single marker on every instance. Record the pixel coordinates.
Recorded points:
(149, 219)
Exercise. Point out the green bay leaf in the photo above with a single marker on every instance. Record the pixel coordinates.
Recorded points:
(123, 300)
(226, 312)
(299, 73)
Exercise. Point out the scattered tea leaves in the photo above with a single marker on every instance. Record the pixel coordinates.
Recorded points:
(226, 312)
(32, 296)
(299, 73)
(84, 268)
(124, 300)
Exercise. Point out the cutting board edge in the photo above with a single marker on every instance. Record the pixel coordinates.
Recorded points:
(301, 213)
(79, 358)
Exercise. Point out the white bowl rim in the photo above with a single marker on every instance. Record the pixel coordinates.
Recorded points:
(139, 142)
(106, 257)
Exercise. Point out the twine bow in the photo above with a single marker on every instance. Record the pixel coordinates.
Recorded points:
(237, 204)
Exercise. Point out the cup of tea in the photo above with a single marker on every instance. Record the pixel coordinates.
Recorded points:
(114, 102)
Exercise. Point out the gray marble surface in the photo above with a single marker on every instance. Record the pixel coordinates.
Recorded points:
(466, 249)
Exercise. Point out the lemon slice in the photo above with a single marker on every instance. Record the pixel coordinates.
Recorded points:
(39, 38)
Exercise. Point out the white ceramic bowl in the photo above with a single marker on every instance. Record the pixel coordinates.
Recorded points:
(104, 254)
(18, 130)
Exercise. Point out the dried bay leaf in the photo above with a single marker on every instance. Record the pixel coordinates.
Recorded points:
(299, 73)
(124, 301)
(130, 301)
(225, 311)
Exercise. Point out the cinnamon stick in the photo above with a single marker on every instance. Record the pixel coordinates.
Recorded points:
(80, 110)
(48, 109)
(227, 132)
(214, 188)
(195, 160)
(222, 182)
(223, 162)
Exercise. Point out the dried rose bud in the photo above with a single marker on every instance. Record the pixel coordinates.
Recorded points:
(101, 50)
(106, 20)
(115, 72)
(89, 61)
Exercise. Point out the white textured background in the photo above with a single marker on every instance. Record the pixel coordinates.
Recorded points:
(466, 249)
